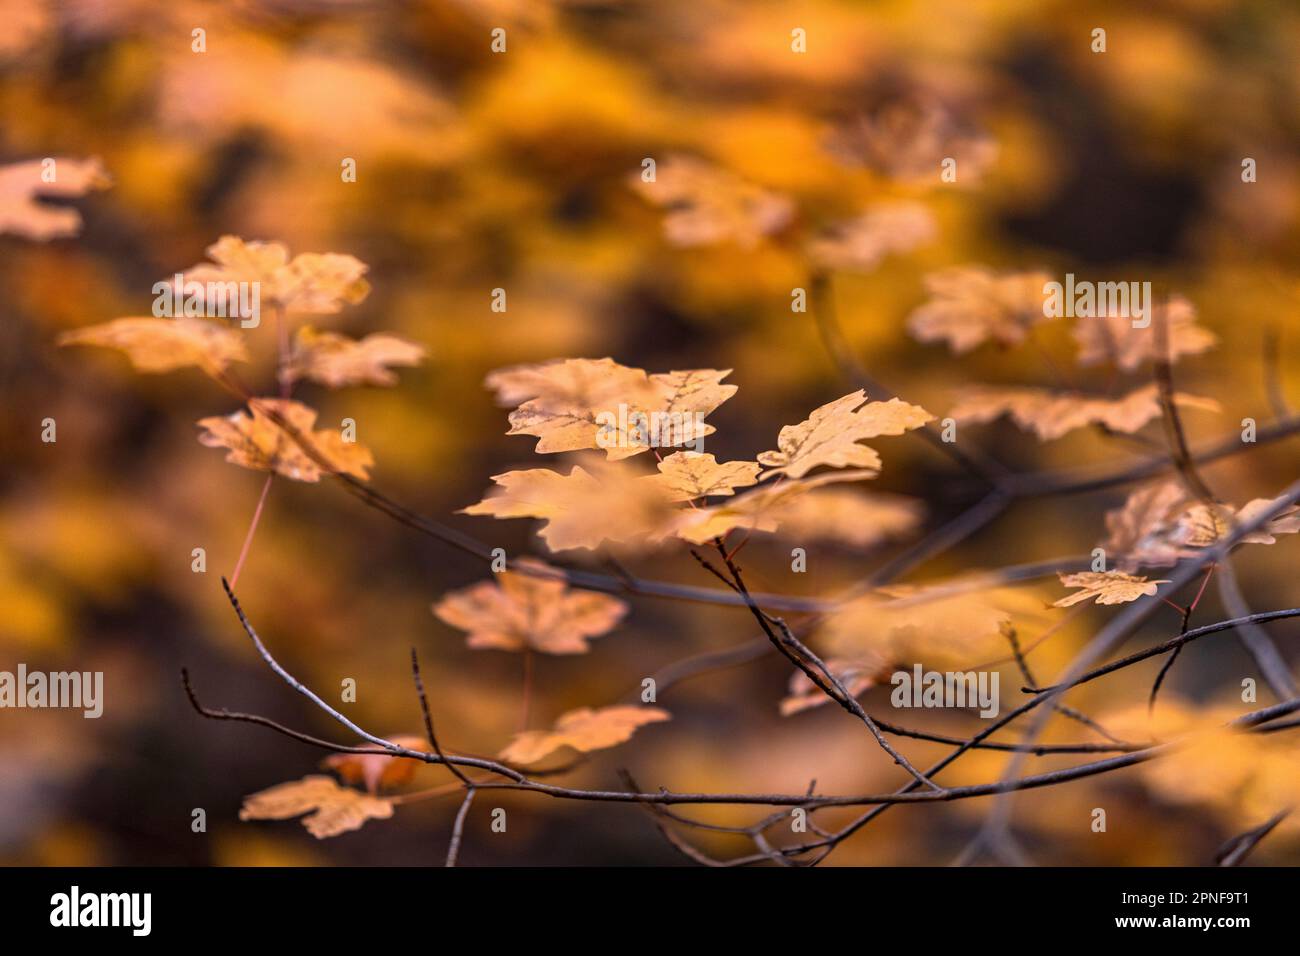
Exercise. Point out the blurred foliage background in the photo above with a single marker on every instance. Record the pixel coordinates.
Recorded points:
(478, 170)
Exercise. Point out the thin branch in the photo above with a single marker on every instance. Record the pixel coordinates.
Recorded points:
(458, 828)
(1239, 847)
(428, 721)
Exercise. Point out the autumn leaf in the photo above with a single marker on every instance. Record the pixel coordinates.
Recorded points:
(581, 383)
(1050, 414)
(907, 138)
(518, 611)
(830, 435)
(336, 360)
(1242, 777)
(1160, 524)
(857, 674)
(1108, 587)
(1113, 338)
(686, 475)
(708, 205)
(258, 442)
(970, 305)
(587, 404)
(760, 509)
(848, 516)
(583, 730)
(161, 345)
(333, 809)
(583, 510)
(379, 770)
(859, 245)
(905, 625)
(316, 283)
(22, 185)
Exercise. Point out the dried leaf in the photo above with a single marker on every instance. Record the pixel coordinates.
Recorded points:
(336, 360)
(333, 809)
(970, 305)
(1113, 338)
(1242, 777)
(21, 185)
(518, 611)
(1051, 414)
(1108, 587)
(851, 517)
(906, 625)
(583, 510)
(257, 442)
(857, 674)
(600, 404)
(161, 345)
(708, 205)
(315, 283)
(1160, 524)
(686, 475)
(758, 510)
(830, 435)
(859, 245)
(379, 770)
(907, 138)
(569, 383)
(584, 730)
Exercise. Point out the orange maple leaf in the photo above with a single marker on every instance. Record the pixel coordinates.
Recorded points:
(830, 435)
(332, 809)
(970, 305)
(583, 510)
(519, 611)
(707, 204)
(336, 360)
(584, 730)
(21, 212)
(258, 442)
(1050, 414)
(161, 345)
(316, 283)
(379, 770)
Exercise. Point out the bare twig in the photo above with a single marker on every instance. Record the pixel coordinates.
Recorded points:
(458, 828)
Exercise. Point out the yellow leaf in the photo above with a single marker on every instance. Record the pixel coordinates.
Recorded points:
(569, 383)
(517, 611)
(860, 244)
(1050, 414)
(22, 183)
(316, 283)
(1108, 587)
(161, 345)
(582, 510)
(970, 305)
(333, 809)
(259, 443)
(848, 516)
(379, 769)
(600, 404)
(830, 435)
(857, 674)
(688, 474)
(905, 626)
(908, 137)
(758, 510)
(584, 730)
(1159, 525)
(708, 204)
(336, 360)
(1113, 338)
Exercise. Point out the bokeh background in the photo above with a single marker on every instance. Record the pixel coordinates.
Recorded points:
(479, 170)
